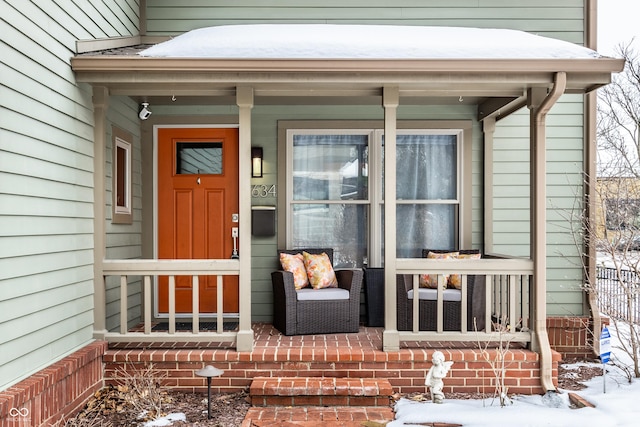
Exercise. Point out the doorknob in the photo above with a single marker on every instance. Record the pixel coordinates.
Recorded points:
(198, 180)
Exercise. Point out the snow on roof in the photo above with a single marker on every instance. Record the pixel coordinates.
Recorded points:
(324, 41)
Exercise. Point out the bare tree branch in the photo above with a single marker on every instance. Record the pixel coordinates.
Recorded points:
(618, 124)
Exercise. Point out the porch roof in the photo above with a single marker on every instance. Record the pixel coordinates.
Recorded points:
(476, 64)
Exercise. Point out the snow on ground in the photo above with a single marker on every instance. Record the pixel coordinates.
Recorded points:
(166, 420)
(618, 407)
(324, 41)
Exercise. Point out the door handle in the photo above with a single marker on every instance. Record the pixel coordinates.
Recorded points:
(234, 235)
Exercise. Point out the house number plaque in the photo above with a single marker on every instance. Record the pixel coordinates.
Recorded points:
(263, 191)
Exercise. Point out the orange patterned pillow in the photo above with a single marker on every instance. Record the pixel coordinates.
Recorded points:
(431, 281)
(295, 264)
(455, 280)
(320, 271)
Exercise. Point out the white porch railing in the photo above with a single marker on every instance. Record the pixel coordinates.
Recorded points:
(506, 296)
(507, 293)
(146, 269)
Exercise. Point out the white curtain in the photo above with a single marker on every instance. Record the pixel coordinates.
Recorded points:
(331, 168)
(427, 174)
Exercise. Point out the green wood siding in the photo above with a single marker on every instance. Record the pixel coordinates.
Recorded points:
(562, 20)
(46, 179)
(565, 158)
(124, 241)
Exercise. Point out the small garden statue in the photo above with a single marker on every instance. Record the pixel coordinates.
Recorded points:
(435, 375)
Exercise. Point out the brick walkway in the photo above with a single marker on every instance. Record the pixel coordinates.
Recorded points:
(314, 416)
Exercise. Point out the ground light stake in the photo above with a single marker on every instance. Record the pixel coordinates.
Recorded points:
(209, 372)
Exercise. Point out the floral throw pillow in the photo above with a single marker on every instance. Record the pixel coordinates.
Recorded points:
(320, 271)
(295, 264)
(455, 280)
(431, 280)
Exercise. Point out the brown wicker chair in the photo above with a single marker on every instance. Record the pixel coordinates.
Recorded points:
(451, 309)
(293, 317)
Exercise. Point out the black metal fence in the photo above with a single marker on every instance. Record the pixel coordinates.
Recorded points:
(619, 293)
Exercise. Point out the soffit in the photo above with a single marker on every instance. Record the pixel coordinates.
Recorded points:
(353, 80)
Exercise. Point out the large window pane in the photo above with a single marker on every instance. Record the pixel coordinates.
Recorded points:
(424, 227)
(330, 167)
(338, 226)
(426, 167)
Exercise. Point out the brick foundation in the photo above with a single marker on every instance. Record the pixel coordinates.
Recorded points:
(405, 370)
(572, 337)
(55, 392)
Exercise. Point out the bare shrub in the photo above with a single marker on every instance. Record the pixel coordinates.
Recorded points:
(498, 363)
(143, 389)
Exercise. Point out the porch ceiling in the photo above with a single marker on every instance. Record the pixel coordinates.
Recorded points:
(358, 81)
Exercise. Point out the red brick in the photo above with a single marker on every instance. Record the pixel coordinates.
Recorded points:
(335, 400)
(278, 401)
(362, 401)
(307, 401)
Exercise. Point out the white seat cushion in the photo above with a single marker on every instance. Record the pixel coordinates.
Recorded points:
(309, 294)
(432, 294)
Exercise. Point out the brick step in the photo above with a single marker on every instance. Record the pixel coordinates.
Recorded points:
(340, 416)
(301, 391)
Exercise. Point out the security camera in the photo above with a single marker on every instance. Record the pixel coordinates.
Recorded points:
(144, 113)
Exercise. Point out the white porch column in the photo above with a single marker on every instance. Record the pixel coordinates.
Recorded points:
(100, 106)
(390, 336)
(488, 128)
(539, 103)
(244, 99)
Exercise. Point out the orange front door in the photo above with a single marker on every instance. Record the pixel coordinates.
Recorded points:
(197, 203)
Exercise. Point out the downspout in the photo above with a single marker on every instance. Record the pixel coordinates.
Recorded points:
(591, 41)
(539, 224)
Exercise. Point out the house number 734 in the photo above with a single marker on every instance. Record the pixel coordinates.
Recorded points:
(263, 191)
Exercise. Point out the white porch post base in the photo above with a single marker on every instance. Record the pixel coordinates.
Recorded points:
(100, 335)
(390, 340)
(244, 341)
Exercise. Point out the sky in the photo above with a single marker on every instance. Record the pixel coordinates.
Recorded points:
(618, 21)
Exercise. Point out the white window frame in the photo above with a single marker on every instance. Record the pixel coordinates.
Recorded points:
(121, 214)
(375, 201)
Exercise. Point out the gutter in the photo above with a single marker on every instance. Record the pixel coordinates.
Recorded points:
(540, 255)
(467, 66)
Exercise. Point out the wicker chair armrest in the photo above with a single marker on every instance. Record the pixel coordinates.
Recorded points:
(402, 301)
(476, 288)
(350, 279)
(283, 285)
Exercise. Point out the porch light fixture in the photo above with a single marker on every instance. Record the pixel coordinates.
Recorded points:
(256, 162)
(209, 372)
(144, 113)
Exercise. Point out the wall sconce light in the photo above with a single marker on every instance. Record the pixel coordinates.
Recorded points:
(256, 162)
(144, 111)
